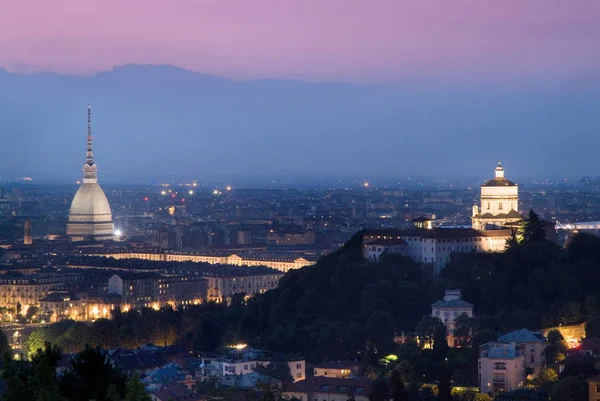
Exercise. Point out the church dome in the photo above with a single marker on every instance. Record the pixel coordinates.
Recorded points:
(90, 204)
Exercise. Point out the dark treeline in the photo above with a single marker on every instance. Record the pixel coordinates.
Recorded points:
(89, 376)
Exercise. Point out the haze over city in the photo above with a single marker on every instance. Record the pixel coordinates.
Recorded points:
(300, 88)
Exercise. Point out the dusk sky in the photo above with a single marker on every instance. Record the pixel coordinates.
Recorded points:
(436, 87)
(347, 40)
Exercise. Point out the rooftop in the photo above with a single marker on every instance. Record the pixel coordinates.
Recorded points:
(329, 385)
(522, 336)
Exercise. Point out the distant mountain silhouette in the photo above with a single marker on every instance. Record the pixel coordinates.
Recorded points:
(163, 121)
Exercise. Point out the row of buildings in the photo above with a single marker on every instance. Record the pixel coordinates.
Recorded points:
(88, 291)
(282, 264)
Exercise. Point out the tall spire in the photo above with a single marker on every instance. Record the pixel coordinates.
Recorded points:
(90, 154)
(90, 170)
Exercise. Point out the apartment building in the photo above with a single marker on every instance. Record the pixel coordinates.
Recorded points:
(222, 285)
(501, 367)
(534, 343)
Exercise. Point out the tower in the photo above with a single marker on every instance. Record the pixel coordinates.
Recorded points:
(499, 203)
(27, 238)
(90, 216)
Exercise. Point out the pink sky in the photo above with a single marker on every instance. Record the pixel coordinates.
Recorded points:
(350, 40)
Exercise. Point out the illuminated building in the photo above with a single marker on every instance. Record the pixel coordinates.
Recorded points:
(222, 286)
(25, 291)
(432, 246)
(499, 203)
(337, 369)
(503, 364)
(450, 308)
(152, 290)
(501, 367)
(281, 264)
(90, 215)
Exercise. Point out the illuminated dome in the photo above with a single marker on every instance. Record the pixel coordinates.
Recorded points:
(90, 204)
(90, 216)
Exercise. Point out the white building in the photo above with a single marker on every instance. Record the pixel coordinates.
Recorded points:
(450, 308)
(534, 343)
(499, 203)
(380, 246)
(90, 216)
(501, 367)
(505, 364)
(433, 246)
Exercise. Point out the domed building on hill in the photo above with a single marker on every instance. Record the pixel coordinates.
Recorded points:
(499, 203)
(90, 216)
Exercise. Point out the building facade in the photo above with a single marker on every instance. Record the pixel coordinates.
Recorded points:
(499, 203)
(433, 246)
(501, 367)
(281, 264)
(448, 310)
(221, 287)
(534, 343)
(150, 290)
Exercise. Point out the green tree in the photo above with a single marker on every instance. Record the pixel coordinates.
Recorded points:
(379, 330)
(113, 394)
(406, 371)
(546, 379)
(268, 391)
(426, 330)
(135, 390)
(91, 376)
(5, 349)
(570, 388)
(380, 390)
(533, 230)
(35, 341)
(33, 380)
(482, 397)
(464, 330)
(398, 390)
(556, 350)
(512, 242)
(444, 375)
(277, 369)
(592, 327)
(44, 379)
(32, 311)
(440, 342)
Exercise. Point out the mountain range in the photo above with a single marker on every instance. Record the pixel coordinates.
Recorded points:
(159, 122)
